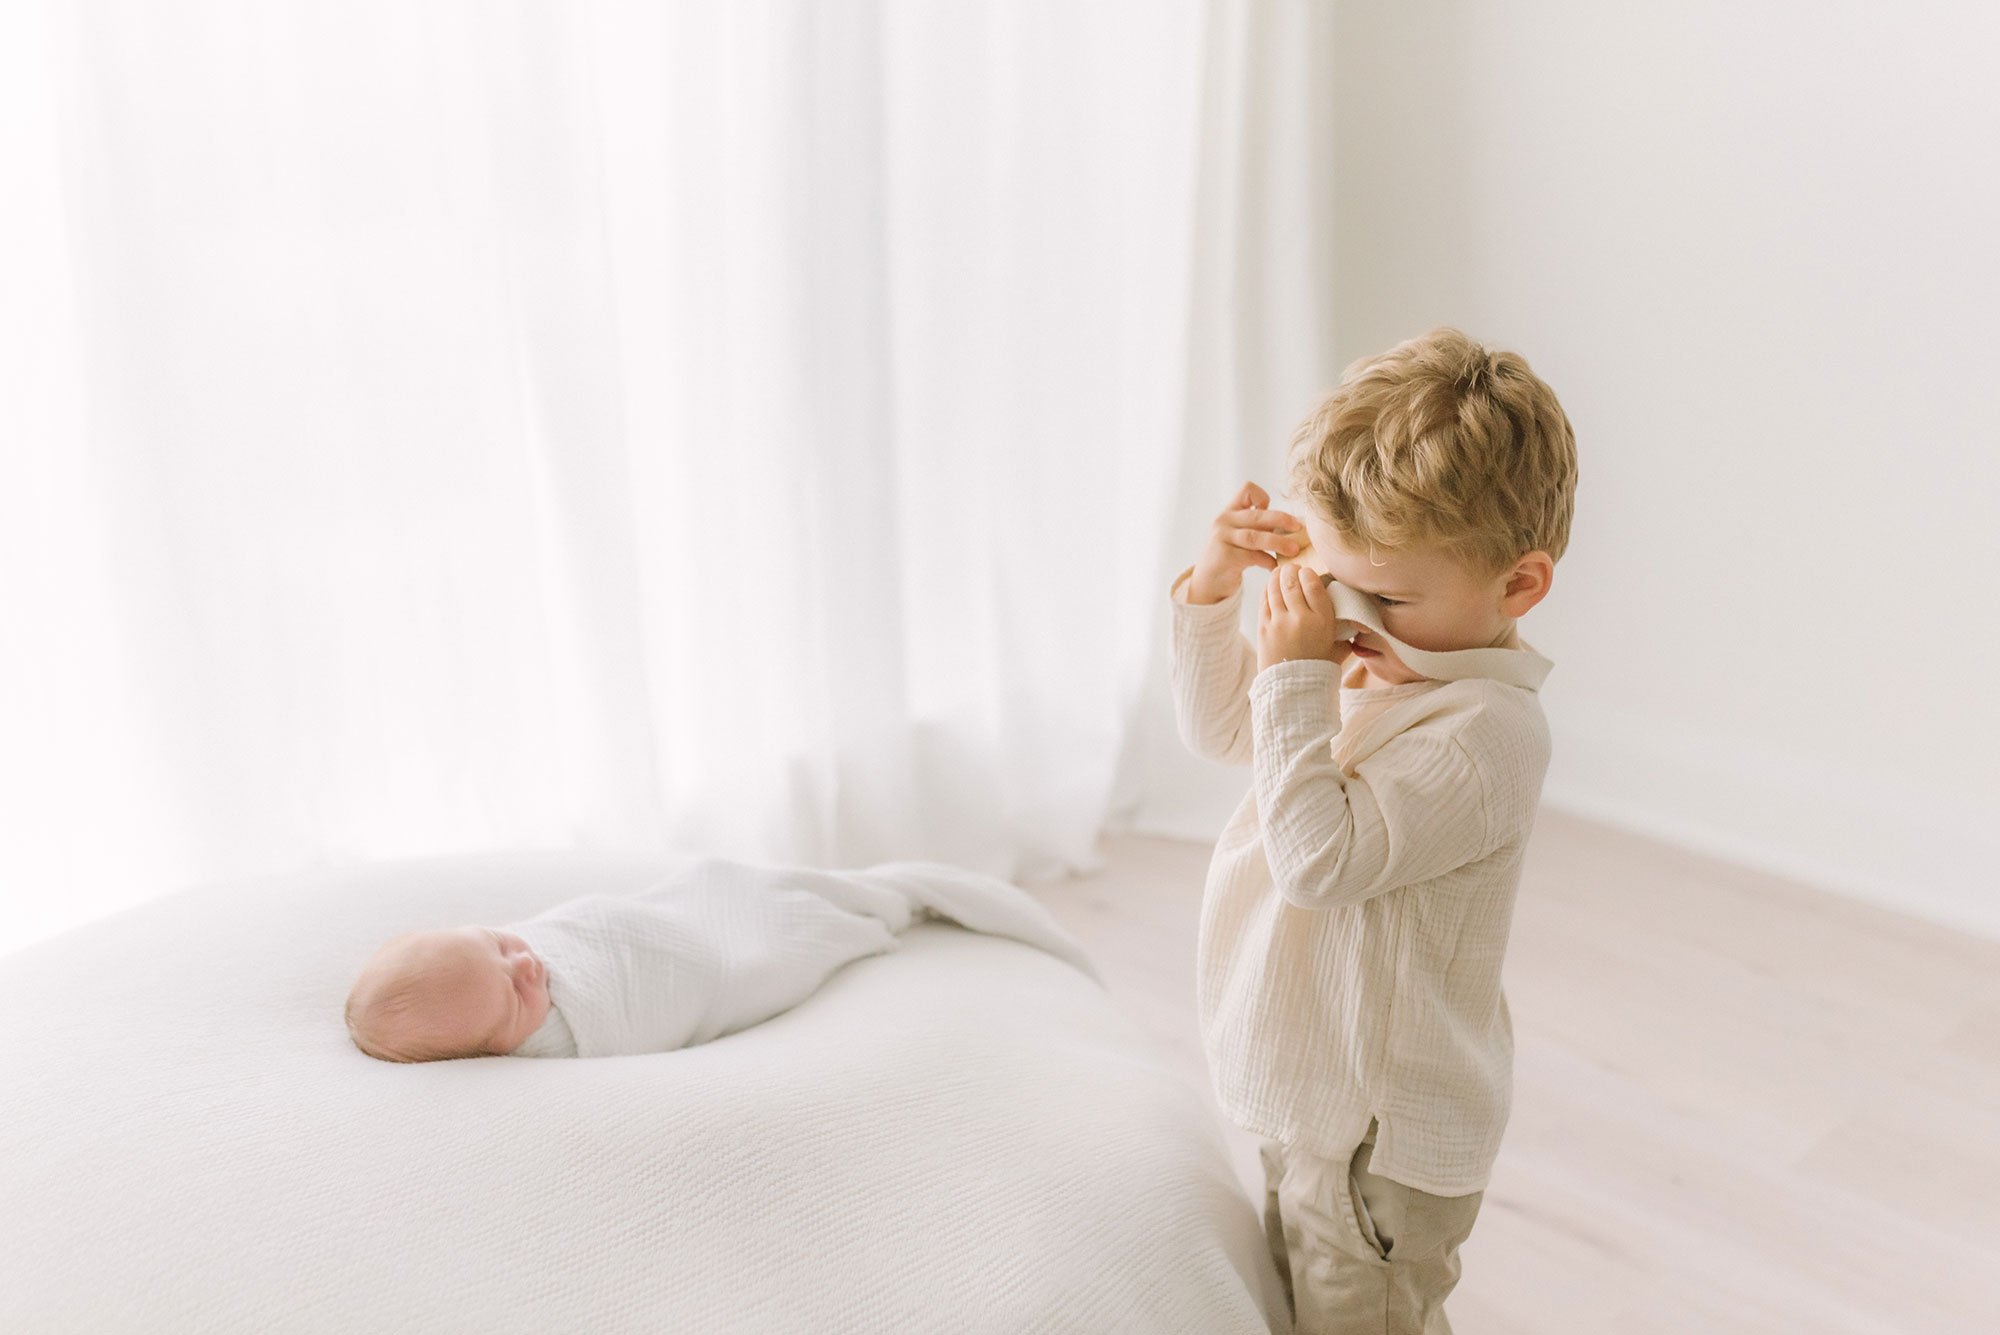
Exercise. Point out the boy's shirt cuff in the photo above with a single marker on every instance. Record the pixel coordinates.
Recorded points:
(1294, 704)
(1178, 593)
(1204, 620)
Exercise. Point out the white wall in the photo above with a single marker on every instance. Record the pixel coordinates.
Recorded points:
(1752, 247)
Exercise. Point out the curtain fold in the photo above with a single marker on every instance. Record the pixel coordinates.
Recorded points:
(753, 427)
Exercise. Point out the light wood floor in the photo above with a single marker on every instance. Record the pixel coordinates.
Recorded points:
(1740, 1104)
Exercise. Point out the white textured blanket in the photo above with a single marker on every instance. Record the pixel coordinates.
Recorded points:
(719, 946)
(962, 1134)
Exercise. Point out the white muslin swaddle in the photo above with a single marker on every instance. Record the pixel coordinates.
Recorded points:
(722, 945)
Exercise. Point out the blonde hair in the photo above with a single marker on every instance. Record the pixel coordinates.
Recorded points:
(387, 1009)
(1439, 442)
(370, 1022)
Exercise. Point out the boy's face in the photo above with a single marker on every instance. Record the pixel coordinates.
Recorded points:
(1428, 600)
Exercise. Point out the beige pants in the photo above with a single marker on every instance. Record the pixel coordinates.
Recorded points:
(1360, 1254)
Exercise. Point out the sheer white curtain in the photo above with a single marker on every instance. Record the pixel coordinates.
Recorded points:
(756, 427)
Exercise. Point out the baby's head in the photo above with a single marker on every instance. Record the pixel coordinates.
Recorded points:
(455, 992)
(1440, 477)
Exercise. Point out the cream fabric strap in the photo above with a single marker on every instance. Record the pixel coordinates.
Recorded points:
(1523, 667)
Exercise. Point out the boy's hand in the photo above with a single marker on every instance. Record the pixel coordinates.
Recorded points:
(1297, 620)
(1245, 534)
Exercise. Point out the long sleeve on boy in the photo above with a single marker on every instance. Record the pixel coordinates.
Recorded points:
(1359, 902)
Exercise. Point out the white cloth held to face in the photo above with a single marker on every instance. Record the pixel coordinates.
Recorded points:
(1523, 667)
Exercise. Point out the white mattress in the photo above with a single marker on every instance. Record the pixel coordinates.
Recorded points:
(959, 1135)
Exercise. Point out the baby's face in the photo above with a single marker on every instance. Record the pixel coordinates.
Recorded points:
(1428, 600)
(457, 992)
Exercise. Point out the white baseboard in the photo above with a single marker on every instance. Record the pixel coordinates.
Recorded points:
(1932, 855)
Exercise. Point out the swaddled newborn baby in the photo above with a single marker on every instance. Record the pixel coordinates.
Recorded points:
(453, 992)
(715, 948)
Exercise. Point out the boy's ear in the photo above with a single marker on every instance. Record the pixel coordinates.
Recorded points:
(1527, 583)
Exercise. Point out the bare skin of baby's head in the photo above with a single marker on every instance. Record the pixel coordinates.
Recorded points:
(453, 992)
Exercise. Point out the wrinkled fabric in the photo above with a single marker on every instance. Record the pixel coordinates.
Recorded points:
(1361, 1254)
(722, 945)
(1355, 919)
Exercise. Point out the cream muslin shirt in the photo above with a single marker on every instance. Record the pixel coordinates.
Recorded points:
(1358, 904)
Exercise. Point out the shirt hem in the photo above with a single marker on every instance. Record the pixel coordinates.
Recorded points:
(1347, 1142)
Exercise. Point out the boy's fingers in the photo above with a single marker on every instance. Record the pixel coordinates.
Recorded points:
(1252, 495)
(1264, 527)
(1259, 540)
(1316, 595)
(1258, 517)
(1300, 578)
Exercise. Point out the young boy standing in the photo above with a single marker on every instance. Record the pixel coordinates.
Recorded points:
(1357, 908)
